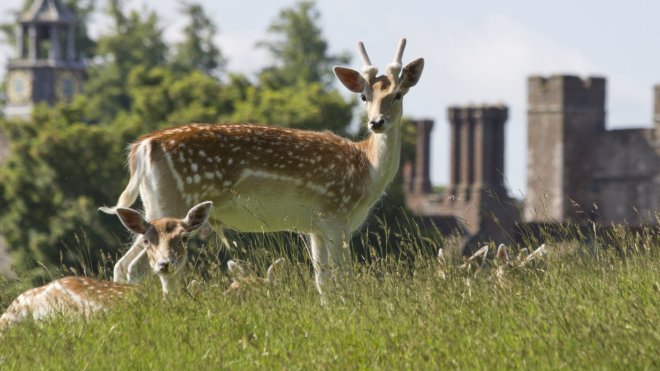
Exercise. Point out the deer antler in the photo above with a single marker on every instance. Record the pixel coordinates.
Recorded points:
(394, 68)
(369, 71)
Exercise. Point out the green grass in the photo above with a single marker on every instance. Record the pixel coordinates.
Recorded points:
(595, 308)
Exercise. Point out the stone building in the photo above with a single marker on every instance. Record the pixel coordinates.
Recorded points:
(47, 67)
(476, 195)
(576, 169)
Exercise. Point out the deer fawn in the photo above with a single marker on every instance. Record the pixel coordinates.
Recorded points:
(267, 179)
(164, 242)
(240, 279)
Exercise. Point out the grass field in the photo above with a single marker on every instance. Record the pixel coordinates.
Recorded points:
(581, 306)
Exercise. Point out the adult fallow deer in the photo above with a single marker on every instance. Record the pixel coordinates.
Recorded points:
(266, 179)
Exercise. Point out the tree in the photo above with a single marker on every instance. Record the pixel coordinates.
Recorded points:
(198, 51)
(136, 39)
(161, 98)
(296, 91)
(56, 176)
(302, 106)
(299, 50)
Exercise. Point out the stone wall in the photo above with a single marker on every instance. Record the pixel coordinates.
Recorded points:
(577, 170)
(627, 177)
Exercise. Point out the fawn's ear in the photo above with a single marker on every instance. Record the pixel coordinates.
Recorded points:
(502, 253)
(197, 216)
(132, 220)
(275, 270)
(351, 79)
(235, 269)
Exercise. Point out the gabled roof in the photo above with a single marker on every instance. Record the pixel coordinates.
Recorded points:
(48, 11)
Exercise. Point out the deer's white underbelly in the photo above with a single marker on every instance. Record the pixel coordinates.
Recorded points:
(263, 203)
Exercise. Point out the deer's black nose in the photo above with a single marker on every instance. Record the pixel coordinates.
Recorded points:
(165, 266)
(376, 124)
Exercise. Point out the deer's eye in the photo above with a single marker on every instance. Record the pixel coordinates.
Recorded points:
(145, 241)
(397, 96)
(363, 97)
(184, 240)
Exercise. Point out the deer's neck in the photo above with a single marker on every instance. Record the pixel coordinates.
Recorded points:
(384, 153)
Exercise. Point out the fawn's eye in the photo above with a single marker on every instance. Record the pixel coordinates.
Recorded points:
(363, 97)
(145, 242)
(184, 240)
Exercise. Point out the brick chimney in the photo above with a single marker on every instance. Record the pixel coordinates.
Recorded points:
(421, 173)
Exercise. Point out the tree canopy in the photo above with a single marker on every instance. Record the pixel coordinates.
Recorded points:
(299, 51)
(68, 159)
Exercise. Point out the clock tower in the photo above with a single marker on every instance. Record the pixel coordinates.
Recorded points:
(47, 67)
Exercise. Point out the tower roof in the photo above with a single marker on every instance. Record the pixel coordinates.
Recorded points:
(48, 11)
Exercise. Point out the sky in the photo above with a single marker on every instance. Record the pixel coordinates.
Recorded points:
(476, 52)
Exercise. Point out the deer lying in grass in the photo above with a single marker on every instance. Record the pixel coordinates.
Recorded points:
(240, 279)
(269, 179)
(165, 245)
(501, 261)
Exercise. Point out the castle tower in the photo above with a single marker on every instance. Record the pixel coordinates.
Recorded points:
(421, 172)
(565, 115)
(47, 67)
(477, 150)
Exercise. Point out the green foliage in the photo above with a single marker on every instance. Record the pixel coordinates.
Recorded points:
(296, 90)
(299, 50)
(197, 51)
(136, 40)
(304, 106)
(57, 174)
(160, 98)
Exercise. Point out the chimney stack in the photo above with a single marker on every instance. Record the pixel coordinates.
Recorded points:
(421, 172)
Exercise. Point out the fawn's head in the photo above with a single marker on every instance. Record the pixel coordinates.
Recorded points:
(166, 239)
(382, 95)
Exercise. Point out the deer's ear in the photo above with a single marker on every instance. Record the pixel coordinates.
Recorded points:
(198, 215)
(411, 74)
(351, 79)
(132, 220)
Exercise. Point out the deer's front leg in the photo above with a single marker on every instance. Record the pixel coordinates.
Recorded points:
(120, 272)
(138, 267)
(319, 253)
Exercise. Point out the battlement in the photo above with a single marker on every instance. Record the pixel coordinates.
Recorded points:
(490, 113)
(566, 92)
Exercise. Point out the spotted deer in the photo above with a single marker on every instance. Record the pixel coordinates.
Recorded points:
(267, 179)
(164, 242)
(240, 279)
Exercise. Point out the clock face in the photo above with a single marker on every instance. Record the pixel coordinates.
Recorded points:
(19, 87)
(67, 84)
